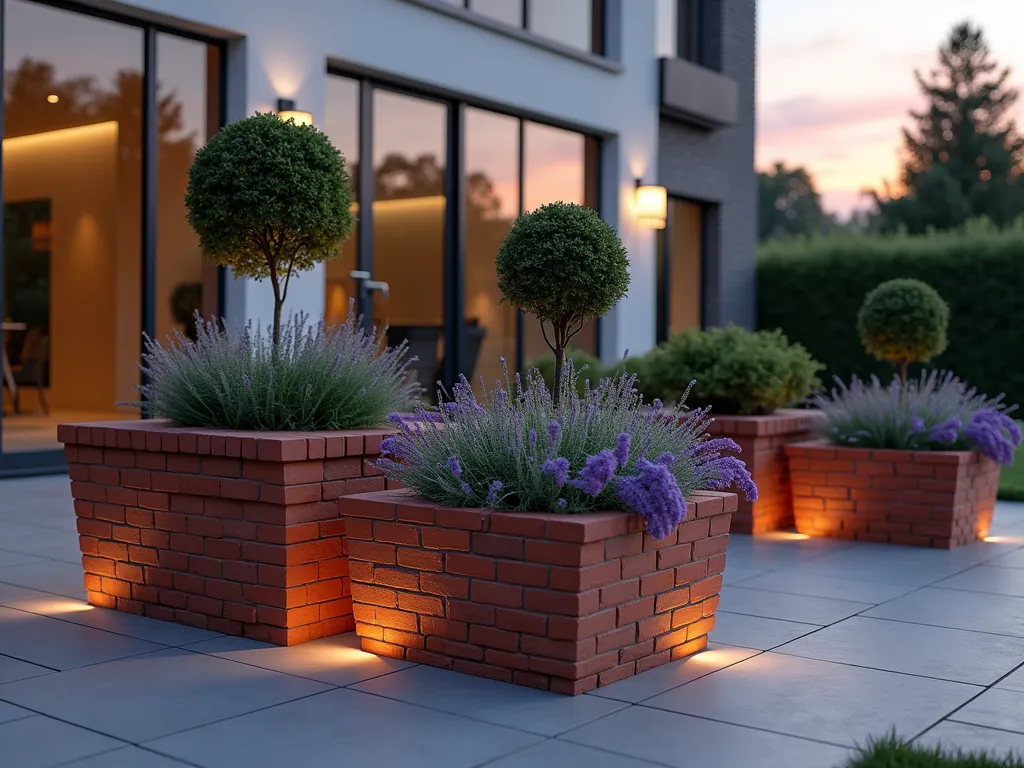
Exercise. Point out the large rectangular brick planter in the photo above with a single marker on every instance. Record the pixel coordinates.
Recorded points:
(762, 439)
(237, 532)
(558, 602)
(921, 498)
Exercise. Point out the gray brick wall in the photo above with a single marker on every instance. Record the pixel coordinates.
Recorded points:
(718, 167)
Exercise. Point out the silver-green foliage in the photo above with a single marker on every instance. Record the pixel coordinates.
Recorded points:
(316, 378)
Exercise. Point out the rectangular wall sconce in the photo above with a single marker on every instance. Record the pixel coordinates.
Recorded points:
(286, 111)
(651, 205)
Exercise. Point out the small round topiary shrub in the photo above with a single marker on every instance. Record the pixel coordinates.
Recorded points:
(736, 371)
(563, 264)
(903, 321)
(269, 198)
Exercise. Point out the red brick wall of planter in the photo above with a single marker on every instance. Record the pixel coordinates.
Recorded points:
(921, 498)
(761, 439)
(558, 602)
(237, 532)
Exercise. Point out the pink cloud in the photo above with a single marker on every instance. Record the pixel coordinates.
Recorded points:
(801, 114)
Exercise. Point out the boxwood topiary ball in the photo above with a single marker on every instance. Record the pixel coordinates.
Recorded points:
(562, 263)
(903, 321)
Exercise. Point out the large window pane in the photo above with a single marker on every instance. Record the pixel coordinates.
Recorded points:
(679, 269)
(568, 21)
(409, 158)
(492, 204)
(341, 124)
(72, 165)
(557, 165)
(188, 97)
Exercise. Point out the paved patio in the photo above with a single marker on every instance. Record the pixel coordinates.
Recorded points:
(818, 645)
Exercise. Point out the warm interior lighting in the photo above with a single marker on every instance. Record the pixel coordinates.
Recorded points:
(286, 111)
(651, 205)
(782, 536)
(53, 98)
(78, 133)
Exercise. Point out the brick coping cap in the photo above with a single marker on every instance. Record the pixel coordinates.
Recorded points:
(780, 422)
(574, 528)
(821, 449)
(158, 435)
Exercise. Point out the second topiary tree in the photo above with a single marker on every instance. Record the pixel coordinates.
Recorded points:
(563, 264)
(903, 321)
(269, 198)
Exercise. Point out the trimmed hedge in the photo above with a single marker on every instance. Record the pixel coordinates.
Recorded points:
(813, 289)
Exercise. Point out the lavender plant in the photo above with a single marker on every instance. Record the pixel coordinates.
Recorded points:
(314, 378)
(936, 412)
(603, 449)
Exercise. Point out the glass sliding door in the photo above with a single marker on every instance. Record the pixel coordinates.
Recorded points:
(410, 140)
(680, 269)
(72, 183)
(341, 124)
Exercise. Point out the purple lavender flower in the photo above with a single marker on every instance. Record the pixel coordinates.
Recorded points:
(450, 409)
(495, 487)
(561, 503)
(994, 434)
(657, 405)
(554, 431)
(247, 382)
(465, 488)
(654, 495)
(596, 473)
(533, 437)
(731, 472)
(432, 417)
(622, 446)
(666, 459)
(716, 446)
(399, 448)
(454, 467)
(947, 432)
(558, 468)
(916, 425)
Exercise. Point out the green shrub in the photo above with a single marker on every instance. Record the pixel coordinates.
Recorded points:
(813, 291)
(736, 371)
(269, 198)
(903, 321)
(323, 378)
(587, 366)
(563, 264)
(891, 752)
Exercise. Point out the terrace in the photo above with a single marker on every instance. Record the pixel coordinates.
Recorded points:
(818, 645)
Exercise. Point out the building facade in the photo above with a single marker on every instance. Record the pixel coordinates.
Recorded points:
(454, 116)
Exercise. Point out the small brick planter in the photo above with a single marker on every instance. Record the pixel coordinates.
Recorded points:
(559, 602)
(762, 439)
(922, 498)
(237, 532)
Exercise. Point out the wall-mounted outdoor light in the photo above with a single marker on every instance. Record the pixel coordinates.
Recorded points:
(651, 205)
(286, 111)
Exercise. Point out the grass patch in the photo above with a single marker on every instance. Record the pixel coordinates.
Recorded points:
(1011, 481)
(890, 752)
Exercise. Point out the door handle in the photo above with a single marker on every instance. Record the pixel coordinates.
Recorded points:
(370, 285)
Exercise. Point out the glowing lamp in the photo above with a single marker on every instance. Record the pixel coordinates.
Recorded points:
(651, 205)
(53, 98)
(286, 111)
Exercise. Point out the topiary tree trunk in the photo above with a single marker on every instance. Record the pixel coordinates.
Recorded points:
(562, 333)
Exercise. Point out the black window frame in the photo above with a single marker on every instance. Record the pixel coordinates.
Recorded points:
(52, 461)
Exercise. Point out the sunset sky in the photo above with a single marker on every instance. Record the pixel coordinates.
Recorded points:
(835, 81)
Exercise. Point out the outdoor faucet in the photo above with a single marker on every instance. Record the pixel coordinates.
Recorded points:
(371, 285)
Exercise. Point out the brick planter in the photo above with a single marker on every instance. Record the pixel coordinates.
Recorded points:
(558, 602)
(921, 498)
(762, 439)
(237, 532)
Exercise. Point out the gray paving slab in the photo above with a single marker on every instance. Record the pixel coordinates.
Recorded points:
(128, 757)
(819, 585)
(896, 646)
(9, 558)
(781, 605)
(515, 706)
(1014, 559)
(975, 611)
(995, 708)
(1015, 680)
(734, 574)
(955, 736)
(667, 738)
(140, 627)
(12, 669)
(815, 699)
(10, 712)
(668, 676)
(755, 631)
(9, 593)
(988, 578)
(157, 693)
(347, 727)
(42, 742)
(336, 660)
(54, 576)
(555, 753)
(60, 644)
